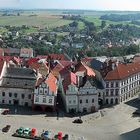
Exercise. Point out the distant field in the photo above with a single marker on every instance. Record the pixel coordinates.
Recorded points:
(49, 21)
(96, 20)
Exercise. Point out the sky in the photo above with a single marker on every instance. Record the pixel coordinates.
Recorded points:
(129, 5)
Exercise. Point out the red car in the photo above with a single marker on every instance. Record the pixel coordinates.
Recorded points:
(33, 132)
(59, 136)
(5, 112)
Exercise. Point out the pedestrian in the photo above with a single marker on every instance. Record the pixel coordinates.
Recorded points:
(15, 111)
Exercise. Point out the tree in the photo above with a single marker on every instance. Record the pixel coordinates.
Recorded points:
(103, 24)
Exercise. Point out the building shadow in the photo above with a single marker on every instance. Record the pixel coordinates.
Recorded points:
(132, 135)
(134, 103)
(20, 110)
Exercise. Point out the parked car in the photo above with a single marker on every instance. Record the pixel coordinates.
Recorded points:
(59, 136)
(78, 121)
(20, 131)
(33, 132)
(26, 131)
(6, 128)
(5, 112)
(66, 137)
(45, 135)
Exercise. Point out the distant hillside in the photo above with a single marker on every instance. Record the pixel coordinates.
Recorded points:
(117, 17)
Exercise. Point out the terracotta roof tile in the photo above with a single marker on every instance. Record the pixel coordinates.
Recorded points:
(39, 81)
(56, 70)
(57, 56)
(68, 78)
(123, 71)
(84, 68)
(51, 81)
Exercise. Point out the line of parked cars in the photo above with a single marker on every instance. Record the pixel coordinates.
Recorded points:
(46, 135)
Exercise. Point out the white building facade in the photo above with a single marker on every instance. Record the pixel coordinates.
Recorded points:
(88, 98)
(122, 83)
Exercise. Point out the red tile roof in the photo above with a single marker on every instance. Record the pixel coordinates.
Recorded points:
(81, 67)
(51, 81)
(123, 71)
(17, 59)
(31, 60)
(39, 81)
(68, 78)
(56, 70)
(42, 56)
(57, 56)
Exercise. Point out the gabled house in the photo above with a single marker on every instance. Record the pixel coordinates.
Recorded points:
(45, 93)
(88, 98)
(78, 94)
(26, 52)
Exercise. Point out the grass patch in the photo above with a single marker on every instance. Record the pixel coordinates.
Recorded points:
(50, 21)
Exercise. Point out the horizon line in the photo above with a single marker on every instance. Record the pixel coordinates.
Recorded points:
(99, 10)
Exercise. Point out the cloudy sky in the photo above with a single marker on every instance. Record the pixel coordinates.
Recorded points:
(73, 4)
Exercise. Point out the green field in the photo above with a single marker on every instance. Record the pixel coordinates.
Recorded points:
(97, 21)
(49, 21)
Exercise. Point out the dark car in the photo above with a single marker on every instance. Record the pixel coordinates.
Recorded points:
(6, 128)
(66, 137)
(5, 112)
(78, 121)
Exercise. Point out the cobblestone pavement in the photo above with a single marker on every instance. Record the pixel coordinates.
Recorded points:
(113, 123)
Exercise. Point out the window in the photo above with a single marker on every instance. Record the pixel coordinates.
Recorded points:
(36, 99)
(107, 84)
(44, 100)
(87, 92)
(117, 92)
(8, 83)
(26, 84)
(9, 101)
(74, 101)
(117, 84)
(50, 101)
(46, 91)
(41, 91)
(29, 96)
(10, 94)
(112, 84)
(99, 94)
(3, 93)
(86, 100)
(80, 101)
(15, 95)
(3, 101)
(107, 91)
(22, 96)
(92, 100)
(69, 101)
(112, 92)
